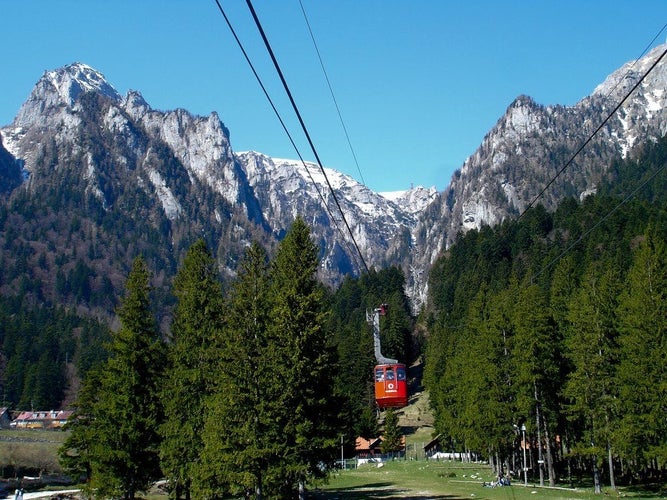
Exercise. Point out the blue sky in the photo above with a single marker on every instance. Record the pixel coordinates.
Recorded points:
(418, 82)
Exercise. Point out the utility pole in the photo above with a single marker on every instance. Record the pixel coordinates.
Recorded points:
(525, 469)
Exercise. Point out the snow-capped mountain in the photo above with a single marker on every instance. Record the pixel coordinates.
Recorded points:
(115, 144)
(135, 179)
(531, 142)
(286, 188)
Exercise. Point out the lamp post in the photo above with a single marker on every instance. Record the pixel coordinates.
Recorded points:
(525, 469)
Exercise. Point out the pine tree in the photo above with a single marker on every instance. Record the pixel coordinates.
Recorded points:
(76, 453)
(483, 397)
(196, 333)
(392, 439)
(591, 348)
(643, 368)
(240, 435)
(304, 363)
(118, 441)
(536, 371)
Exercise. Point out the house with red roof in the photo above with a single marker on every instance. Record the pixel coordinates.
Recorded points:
(370, 450)
(41, 419)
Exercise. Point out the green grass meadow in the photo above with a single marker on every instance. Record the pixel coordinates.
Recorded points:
(408, 479)
(30, 451)
(411, 479)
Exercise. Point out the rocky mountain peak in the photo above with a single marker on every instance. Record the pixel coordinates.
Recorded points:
(618, 83)
(61, 88)
(191, 179)
(531, 142)
(72, 80)
(135, 104)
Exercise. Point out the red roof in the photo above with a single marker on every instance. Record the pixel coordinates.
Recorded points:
(43, 416)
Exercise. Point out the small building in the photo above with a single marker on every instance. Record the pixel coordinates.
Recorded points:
(5, 418)
(41, 419)
(370, 450)
(432, 447)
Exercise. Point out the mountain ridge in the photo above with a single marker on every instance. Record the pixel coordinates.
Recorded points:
(185, 168)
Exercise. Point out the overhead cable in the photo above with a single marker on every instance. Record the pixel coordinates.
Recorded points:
(333, 97)
(648, 46)
(601, 220)
(282, 123)
(303, 127)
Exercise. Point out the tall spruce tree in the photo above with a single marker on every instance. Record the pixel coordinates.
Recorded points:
(240, 436)
(304, 363)
(642, 431)
(196, 338)
(119, 441)
(592, 351)
(536, 371)
(392, 438)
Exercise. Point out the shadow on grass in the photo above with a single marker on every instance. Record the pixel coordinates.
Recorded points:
(376, 490)
(647, 490)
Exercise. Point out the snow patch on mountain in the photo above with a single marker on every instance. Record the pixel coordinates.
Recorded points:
(74, 79)
(413, 200)
(172, 208)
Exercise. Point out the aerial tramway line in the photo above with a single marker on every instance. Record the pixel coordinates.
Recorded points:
(391, 384)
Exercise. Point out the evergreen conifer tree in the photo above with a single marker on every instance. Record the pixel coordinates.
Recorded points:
(642, 431)
(536, 371)
(392, 439)
(196, 333)
(240, 435)
(303, 361)
(119, 440)
(591, 348)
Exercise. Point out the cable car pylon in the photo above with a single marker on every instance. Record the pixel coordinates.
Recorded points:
(391, 385)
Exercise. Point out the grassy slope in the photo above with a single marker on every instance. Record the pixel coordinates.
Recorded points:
(437, 480)
(417, 478)
(31, 449)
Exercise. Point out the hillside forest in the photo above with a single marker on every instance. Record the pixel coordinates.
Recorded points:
(558, 322)
(554, 322)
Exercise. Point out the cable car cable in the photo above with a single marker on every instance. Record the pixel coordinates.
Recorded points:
(648, 46)
(303, 127)
(282, 123)
(600, 221)
(333, 97)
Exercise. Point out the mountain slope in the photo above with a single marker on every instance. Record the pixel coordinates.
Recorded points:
(530, 143)
(113, 178)
(139, 180)
(106, 181)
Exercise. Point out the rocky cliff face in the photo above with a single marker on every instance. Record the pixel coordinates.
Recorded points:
(530, 143)
(116, 163)
(381, 225)
(76, 129)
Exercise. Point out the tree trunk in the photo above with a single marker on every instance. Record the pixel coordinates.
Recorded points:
(610, 458)
(538, 421)
(549, 456)
(258, 486)
(302, 490)
(596, 476)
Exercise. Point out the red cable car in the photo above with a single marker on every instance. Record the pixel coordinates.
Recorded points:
(391, 387)
(391, 384)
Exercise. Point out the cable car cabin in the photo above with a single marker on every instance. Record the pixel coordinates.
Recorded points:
(391, 386)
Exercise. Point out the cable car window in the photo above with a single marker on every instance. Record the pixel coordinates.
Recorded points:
(400, 374)
(390, 375)
(379, 375)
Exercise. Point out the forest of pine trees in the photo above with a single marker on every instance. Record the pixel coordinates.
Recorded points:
(558, 322)
(555, 322)
(247, 397)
